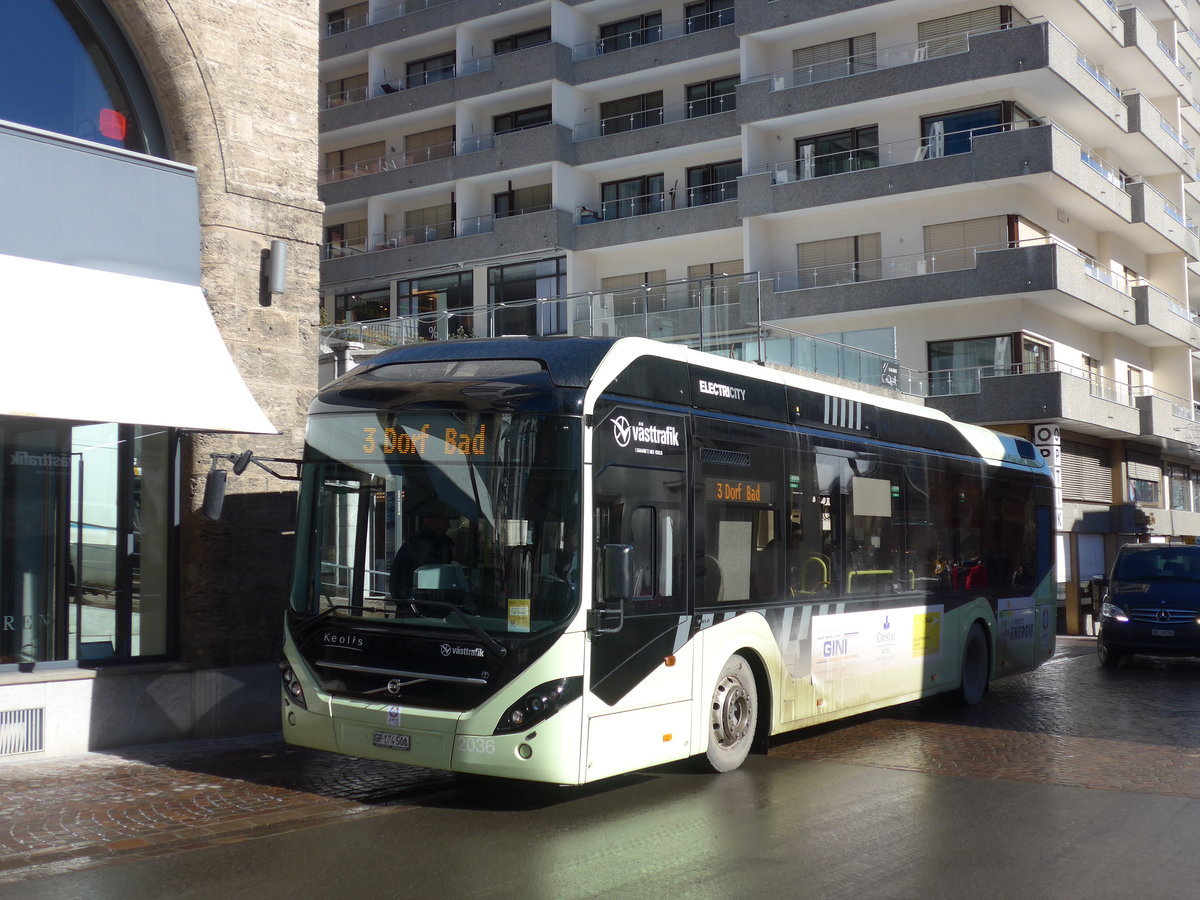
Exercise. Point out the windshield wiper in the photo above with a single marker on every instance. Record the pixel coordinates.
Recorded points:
(493, 645)
(306, 625)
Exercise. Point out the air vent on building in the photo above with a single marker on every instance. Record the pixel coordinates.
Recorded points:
(22, 731)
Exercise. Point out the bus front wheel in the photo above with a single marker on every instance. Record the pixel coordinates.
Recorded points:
(733, 717)
(976, 666)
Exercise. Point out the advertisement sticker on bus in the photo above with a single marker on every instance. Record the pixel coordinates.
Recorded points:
(849, 645)
(640, 437)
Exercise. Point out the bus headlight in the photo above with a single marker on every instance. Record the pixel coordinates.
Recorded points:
(540, 704)
(1112, 611)
(291, 685)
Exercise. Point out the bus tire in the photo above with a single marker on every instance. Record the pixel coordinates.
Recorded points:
(733, 716)
(976, 666)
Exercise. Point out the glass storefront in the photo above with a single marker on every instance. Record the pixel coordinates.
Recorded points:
(86, 525)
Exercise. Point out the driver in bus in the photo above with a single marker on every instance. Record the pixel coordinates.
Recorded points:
(427, 546)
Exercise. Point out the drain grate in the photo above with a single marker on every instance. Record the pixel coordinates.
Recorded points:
(22, 731)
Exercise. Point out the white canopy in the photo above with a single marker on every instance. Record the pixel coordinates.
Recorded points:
(84, 344)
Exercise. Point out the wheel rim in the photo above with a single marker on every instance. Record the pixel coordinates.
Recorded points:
(731, 712)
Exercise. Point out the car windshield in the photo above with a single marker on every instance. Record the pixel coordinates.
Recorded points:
(459, 520)
(1153, 563)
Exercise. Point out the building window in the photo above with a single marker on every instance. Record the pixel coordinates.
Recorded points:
(435, 299)
(955, 367)
(631, 113)
(1180, 486)
(521, 119)
(707, 98)
(354, 161)
(842, 260)
(521, 41)
(631, 197)
(952, 34)
(517, 295)
(521, 200)
(346, 239)
(836, 153)
(707, 14)
(341, 20)
(948, 134)
(433, 223)
(95, 88)
(713, 183)
(631, 32)
(429, 70)
(87, 539)
(341, 91)
(363, 306)
(1145, 478)
(1036, 356)
(835, 59)
(950, 246)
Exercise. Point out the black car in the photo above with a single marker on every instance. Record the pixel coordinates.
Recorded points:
(1151, 603)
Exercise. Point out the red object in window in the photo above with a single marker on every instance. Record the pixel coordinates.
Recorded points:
(112, 124)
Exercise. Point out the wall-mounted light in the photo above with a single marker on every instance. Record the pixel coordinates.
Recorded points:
(273, 272)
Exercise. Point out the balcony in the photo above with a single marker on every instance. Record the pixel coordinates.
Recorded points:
(1146, 120)
(657, 215)
(603, 46)
(404, 21)
(472, 157)
(652, 48)
(662, 115)
(1036, 392)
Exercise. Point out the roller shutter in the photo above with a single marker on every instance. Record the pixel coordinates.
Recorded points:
(1086, 473)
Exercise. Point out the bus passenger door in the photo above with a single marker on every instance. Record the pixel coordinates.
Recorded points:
(639, 676)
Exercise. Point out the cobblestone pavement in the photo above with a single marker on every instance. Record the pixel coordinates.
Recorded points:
(1070, 723)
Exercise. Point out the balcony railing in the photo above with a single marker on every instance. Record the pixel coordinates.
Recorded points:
(383, 14)
(602, 46)
(950, 143)
(487, 224)
(387, 163)
(1172, 210)
(1170, 54)
(1092, 69)
(341, 98)
(881, 58)
(659, 115)
(968, 380)
(659, 201)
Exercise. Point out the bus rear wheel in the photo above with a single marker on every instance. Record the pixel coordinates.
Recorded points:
(733, 716)
(976, 666)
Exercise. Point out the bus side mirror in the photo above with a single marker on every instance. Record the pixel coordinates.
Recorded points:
(616, 586)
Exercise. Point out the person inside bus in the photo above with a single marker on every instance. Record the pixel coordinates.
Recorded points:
(427, 546)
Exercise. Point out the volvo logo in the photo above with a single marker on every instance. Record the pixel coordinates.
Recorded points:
(394, 686)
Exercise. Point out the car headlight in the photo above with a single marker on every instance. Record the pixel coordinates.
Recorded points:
(539, 704)
(291, 686)
(1112, 611)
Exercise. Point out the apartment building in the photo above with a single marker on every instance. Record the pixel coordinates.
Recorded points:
(986, 207)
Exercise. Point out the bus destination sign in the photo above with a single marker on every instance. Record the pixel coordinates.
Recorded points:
(425, 440)
(722, 490)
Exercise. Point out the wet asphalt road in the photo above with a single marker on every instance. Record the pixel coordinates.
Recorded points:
(1071, 781)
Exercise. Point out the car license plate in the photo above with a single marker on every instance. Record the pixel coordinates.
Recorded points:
(394, 741)
(1162, 632)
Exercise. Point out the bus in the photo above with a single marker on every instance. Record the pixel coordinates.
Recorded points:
(562, 559)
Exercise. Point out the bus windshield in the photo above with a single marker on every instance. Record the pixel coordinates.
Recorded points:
(440, 520)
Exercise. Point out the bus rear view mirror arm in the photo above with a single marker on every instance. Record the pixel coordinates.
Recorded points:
(215, 481)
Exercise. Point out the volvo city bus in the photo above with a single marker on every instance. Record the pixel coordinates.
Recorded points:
(560, 559)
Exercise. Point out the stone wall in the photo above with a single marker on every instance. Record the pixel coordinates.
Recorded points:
(236, 84)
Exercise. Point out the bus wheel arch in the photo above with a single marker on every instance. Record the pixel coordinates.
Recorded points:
(734, 715)
(976, 671)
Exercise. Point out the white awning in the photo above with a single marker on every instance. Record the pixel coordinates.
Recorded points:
(83, 344)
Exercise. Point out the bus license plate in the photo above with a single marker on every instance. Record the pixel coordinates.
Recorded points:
(394, 741)
(1162, 632)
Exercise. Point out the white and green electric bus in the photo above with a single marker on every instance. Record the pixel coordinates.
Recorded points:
(560, 559)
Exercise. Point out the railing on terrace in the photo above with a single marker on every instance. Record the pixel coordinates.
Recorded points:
(882, 58)
(1173, 211)
(487, 223)
(1170, 54)
(1174, 305)
(1097, 73)
(405, 237)
(659, 201)
(968, 380)
(341, 98)
(933, 146)
(1173, 134)
(1181, 408)
(659, 115)
(653, 34)
(705, 314)
(387, 162)
(383, 14)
